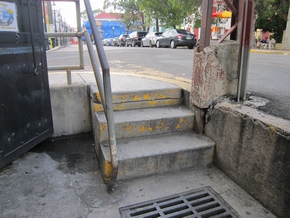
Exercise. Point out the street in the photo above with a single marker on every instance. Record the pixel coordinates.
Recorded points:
(269, 74)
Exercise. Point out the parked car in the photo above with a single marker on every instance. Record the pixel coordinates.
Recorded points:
(150, 39)
(121, 39)
(176, 37)
(134, 38)
(115, 41)
(107, 41)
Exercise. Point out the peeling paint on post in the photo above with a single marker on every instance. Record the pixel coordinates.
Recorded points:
(214, 73)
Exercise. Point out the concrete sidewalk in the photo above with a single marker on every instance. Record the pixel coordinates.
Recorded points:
(61, 178)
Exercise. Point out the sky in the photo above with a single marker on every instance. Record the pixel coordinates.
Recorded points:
(68, 10)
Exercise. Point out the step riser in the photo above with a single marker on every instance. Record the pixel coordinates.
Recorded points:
(157, 164)
(141, 104)
(145, 128)
(148, 95)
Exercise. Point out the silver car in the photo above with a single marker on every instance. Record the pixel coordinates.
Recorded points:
(150, 39)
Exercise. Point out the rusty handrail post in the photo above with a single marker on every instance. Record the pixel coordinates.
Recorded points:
(245, 42)
(108, 96)
(205, 33)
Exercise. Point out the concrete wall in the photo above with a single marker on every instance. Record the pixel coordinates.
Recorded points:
(253, 149)
(70, 109)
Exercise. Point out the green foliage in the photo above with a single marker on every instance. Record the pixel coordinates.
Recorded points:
(132, 12)
(271, 15)
(169, 13)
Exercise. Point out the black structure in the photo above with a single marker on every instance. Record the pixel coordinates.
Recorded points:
(25, 108)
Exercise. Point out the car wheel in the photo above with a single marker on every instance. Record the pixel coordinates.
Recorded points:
(158, 44)
(172, 44)
(150, 44)
(190, 47)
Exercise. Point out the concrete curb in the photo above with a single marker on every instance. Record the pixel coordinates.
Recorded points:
(260, 51)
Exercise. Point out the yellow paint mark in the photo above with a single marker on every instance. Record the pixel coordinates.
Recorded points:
(149, 166)
(161, 96)
(146, 96)
(167, 128)
(128, 128)
(151, 103)
(119, 107)
(103, 127)
(145, 128)
(107, 170)
(136, 98)
(98, 95)
(98, 108)
(181, 120)
(178, 126)
(161, 125)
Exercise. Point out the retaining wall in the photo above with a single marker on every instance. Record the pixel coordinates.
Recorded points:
(253, 149)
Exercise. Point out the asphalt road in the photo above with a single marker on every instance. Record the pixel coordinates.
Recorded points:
(268, 78)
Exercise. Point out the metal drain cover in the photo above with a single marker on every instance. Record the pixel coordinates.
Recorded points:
(200, 203)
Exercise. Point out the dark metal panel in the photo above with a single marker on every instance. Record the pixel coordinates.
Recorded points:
(25, 109)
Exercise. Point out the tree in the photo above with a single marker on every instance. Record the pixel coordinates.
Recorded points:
(84, 14)
(271, 15)
(132, 12)
(169, 13)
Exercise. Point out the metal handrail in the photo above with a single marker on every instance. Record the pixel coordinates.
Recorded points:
(108, 107)
(103, 83)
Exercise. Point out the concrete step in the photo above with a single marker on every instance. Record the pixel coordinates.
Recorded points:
(145, 98)
(144, 122)
(144, 156)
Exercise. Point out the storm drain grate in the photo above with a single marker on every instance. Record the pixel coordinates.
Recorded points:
(200, 203)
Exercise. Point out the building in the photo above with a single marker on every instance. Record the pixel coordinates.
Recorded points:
(110, 24)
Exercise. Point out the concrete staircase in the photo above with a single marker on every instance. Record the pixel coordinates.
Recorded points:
(154, 133)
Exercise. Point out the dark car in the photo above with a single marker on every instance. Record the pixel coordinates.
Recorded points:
(134, 38)
(176, 37)
(150, 39)
(121, 39)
